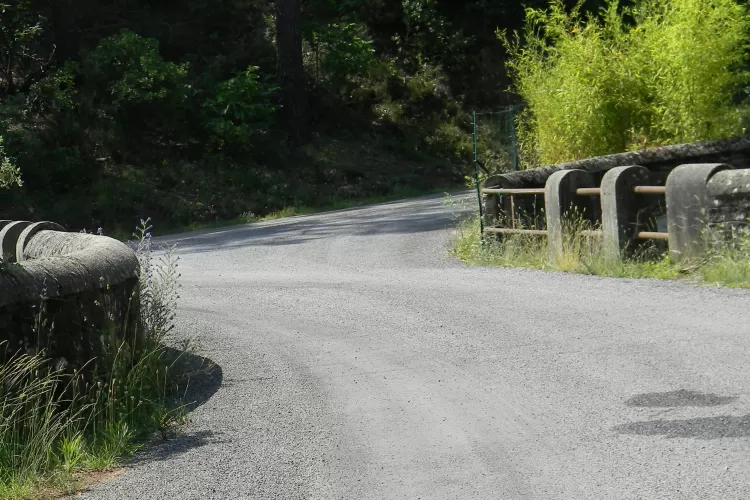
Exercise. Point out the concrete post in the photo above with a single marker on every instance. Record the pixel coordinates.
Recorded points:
(688, 202)
(729, 191)
(620, 209)
(562, 201)
(492, 202)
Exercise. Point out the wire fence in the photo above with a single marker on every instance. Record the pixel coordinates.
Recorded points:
(495, 143)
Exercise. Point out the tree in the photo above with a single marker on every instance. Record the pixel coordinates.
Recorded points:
(9, 173)
(290, 70)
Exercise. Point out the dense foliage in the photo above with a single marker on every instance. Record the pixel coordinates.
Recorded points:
(648, 72)
(182, 110)
(196, 111)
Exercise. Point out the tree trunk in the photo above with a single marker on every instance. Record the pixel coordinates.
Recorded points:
(65, 29)
(290, 70)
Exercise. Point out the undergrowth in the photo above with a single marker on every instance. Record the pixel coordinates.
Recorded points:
(55, 425)
(629, 78)
(726, 263)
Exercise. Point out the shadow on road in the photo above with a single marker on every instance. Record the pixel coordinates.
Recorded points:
(198, 380)
(679, 398)
(700, 428)
(360, 221)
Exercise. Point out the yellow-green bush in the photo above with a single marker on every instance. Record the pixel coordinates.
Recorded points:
(656, 72)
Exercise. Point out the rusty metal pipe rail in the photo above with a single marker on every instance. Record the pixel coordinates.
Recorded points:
(589, 191)
(650, 190)
(592, 233)
(504, 230)
(636, 190)
(649, 235)
(531, 191)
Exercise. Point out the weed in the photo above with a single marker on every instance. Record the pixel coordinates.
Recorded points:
(727, 261)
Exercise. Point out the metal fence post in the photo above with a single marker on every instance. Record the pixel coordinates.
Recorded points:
(476, 172)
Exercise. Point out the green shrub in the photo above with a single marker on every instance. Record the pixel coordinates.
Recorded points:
(240, 107)
(127, 69)
(9, 173)
(343, 52)
(657, 72)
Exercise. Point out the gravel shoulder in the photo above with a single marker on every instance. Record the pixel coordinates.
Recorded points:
(359, 361)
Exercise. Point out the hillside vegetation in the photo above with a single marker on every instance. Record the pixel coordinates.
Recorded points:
(198, 111)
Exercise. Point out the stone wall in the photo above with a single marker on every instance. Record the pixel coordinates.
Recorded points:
(73, 295)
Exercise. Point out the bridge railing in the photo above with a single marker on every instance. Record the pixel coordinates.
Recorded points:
(695, 197)
(72, 295)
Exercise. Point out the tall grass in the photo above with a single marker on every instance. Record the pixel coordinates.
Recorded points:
(54, 423)
(726, 262)
(653, 72)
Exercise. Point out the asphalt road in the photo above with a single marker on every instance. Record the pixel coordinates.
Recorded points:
(360, 362)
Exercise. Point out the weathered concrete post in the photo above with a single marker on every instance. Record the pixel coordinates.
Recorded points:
(688, 202)
(561, 201)
(620, 209)
(729, 191)
(491, 202)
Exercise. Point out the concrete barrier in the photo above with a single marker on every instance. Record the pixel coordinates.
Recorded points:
(72, 295)
(729, 193)
(562, 203)
(696, 200)
(622, 210)
(659, 161)
(688, 201)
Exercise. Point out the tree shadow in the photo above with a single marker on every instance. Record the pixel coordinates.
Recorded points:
(679, 398)
(724, 426)
(198, 379)
(420, 215)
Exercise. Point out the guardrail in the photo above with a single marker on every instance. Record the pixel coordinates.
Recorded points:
(693, 194)
(70, 294)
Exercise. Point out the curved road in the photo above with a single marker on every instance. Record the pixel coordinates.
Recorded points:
(360, 362)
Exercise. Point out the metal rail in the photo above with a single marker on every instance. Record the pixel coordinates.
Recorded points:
(650, 189)
(534, 191)
(589, 191)
(636, 189)
(592, 233)
(648, 235)
(505, 230)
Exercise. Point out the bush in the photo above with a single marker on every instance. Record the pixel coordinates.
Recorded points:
(658, 72)
(9, 173)
(342, 52)
(127, 69)
(240, 108)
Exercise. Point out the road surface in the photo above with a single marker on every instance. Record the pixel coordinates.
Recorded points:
(359, 361)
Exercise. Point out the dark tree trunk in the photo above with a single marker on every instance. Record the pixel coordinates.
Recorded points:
(67, 40)
(290, 70)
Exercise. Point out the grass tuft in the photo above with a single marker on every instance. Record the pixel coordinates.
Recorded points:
(727, 263)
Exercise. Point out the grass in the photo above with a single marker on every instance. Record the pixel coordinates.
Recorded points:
(726, 264)
(57, 425)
